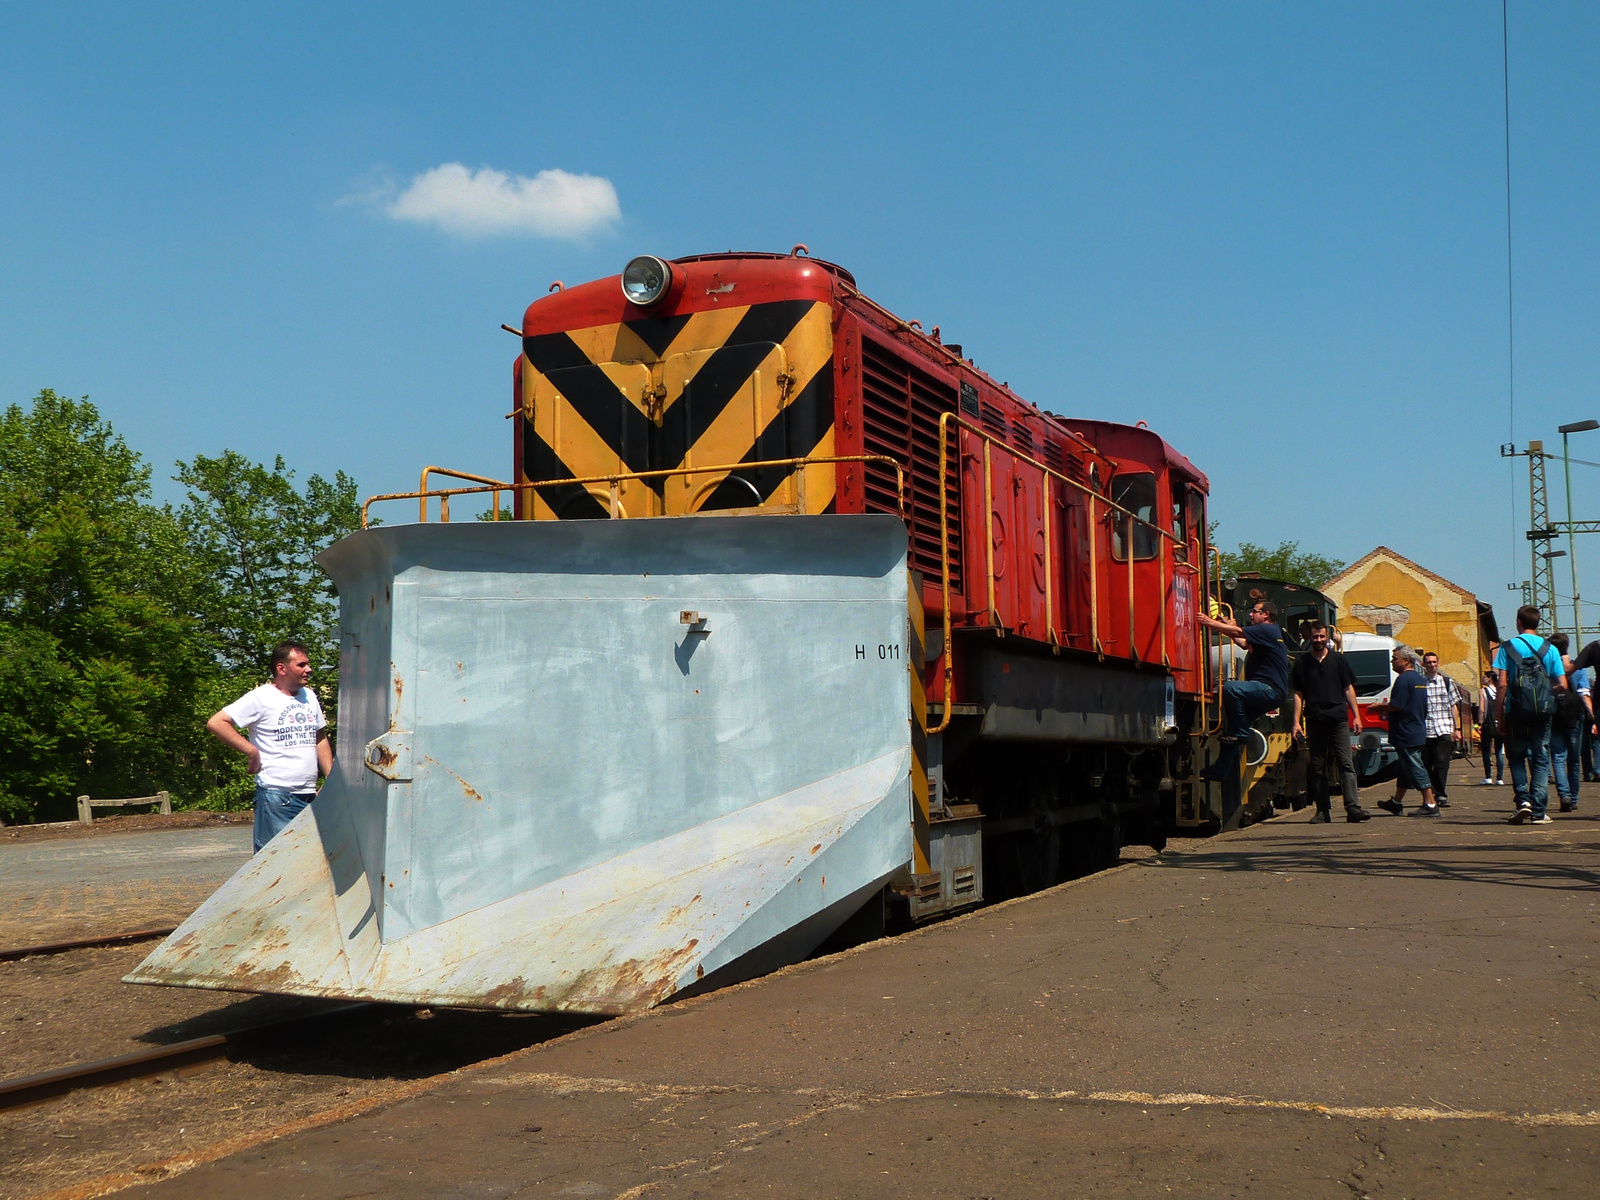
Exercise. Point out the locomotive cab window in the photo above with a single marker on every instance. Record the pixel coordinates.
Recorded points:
(1137, 493)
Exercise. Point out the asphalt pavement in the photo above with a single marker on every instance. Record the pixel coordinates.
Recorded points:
(72, 887)
(1405, 1007)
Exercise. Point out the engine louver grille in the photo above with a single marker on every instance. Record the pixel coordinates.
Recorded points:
(900, 410)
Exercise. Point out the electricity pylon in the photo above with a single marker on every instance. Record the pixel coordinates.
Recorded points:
(1540, 534)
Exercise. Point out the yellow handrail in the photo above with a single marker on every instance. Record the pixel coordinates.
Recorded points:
(617, 479)
(444, 501)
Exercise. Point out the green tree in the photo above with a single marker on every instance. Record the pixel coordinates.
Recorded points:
(1286, 562)
(99, 660)
(253, 535)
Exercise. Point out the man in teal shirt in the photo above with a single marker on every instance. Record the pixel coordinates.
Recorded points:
(1527, 734)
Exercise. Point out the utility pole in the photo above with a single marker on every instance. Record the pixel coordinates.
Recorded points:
(1540, 531)
(1572, 544)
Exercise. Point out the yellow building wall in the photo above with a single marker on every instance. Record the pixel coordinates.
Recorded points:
(1425, 615)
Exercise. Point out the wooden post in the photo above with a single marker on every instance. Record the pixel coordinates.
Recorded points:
(85, 813)
(166, 802)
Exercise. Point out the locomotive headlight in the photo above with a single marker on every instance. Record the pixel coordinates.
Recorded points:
(645, 280)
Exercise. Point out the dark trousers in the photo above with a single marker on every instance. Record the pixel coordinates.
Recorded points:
(1436, 755)
(1327, 736)
(1588, 752)
(1494, 753)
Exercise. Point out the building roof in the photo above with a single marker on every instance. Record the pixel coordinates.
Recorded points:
(1402, 561)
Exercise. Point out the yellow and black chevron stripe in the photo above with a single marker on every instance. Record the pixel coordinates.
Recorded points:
(717, 388)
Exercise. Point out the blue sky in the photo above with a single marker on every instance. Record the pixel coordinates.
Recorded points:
(1276, 232)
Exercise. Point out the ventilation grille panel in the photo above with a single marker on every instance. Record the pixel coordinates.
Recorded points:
(900, 410)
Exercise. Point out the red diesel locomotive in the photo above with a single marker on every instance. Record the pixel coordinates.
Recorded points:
(1070, 697)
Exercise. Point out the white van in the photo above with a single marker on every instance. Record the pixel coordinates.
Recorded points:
(1370, 656)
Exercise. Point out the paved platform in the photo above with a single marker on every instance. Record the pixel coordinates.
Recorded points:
(81, 886)
(1399, 1008)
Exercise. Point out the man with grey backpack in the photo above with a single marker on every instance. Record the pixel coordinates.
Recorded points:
(1530, 674)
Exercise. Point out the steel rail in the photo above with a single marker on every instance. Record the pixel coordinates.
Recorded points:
(107, 939)
(30, 1089)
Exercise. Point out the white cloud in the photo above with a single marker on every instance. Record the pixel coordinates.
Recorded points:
(487, 202)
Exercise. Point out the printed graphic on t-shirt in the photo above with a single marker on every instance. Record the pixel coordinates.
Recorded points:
(296, 725)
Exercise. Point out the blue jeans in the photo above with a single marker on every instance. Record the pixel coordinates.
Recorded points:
(275, 808)
(1412, 771)
(1564, 761)
(1245, 700)
(1528, 748)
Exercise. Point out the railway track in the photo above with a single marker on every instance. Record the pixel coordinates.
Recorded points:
(31, 1089)
(109, 939)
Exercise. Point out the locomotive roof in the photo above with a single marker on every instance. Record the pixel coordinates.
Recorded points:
(1097, 431)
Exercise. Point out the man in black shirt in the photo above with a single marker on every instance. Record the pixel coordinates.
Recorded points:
(1266, 668)
(1325, 711)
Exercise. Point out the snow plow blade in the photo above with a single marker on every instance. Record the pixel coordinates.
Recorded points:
(585, 767)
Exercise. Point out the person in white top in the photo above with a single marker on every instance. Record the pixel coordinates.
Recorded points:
(1494, 750)
(287, 746)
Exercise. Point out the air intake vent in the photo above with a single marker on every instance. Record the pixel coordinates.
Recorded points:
(1022, 439)
(1052, 455)
(994, 420)
(900, 410)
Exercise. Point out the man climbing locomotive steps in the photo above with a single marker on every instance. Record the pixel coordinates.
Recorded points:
(1262, 690)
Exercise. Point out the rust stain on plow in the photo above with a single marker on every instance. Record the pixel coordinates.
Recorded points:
(612, 990)
(678, 911)
(472, 792)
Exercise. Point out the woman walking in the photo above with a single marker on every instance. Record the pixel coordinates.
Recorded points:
(1489, 740)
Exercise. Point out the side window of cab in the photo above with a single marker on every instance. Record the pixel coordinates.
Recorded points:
(1136, 492)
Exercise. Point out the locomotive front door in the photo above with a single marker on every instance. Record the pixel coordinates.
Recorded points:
(591, 420)
(717, 404)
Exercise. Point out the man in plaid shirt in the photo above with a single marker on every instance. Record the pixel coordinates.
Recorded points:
(1443, 725)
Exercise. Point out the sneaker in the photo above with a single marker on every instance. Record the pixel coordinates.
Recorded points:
(1443, 802)
(1546, 819)
(1569, 806)
(1499, 783)
(1523, 815)
(1320, 818)
(1427, 810)
(1392, 806)
(1353, 815)
(1488, 782)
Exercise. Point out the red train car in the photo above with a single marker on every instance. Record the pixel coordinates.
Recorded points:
(1061, 562)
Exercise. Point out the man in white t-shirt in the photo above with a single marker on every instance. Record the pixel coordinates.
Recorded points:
(288, 740)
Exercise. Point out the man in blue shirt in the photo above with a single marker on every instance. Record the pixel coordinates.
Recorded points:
(1527, 734)
(1265, 685)
(1407, 712)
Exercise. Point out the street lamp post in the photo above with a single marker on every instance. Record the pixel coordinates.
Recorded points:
(1572, 546)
